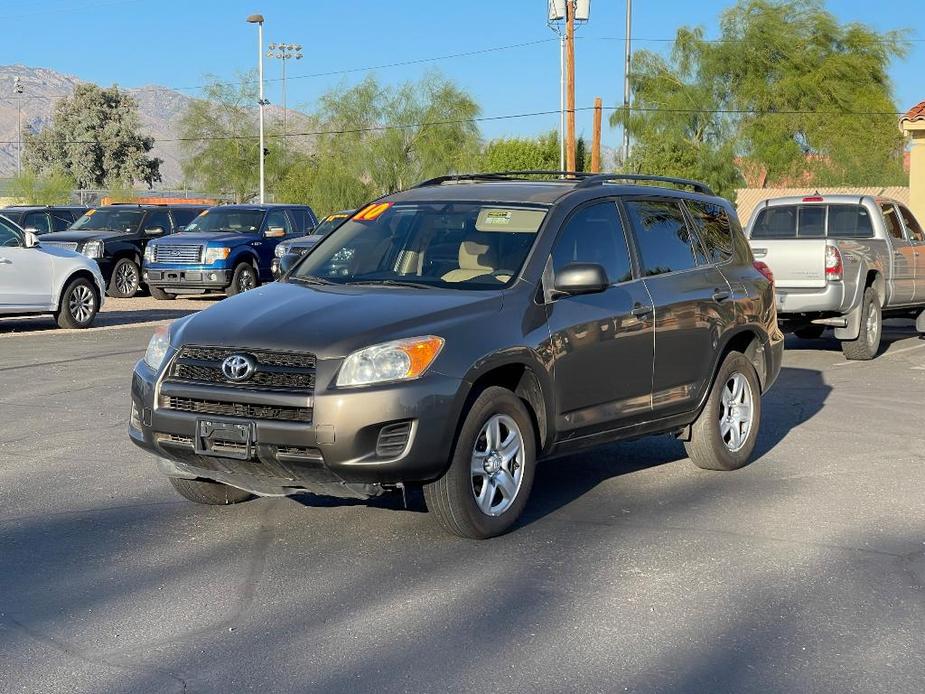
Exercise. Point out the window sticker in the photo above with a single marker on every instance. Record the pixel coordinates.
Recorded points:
(510, 220)
(371, 212)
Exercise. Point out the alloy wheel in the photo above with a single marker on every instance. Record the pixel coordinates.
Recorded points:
(127, 279)
(736, 412)
(873, 327)
(81, 303)
(497, 465)
(246, 280)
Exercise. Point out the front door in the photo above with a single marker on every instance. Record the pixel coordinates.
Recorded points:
(693, 303)
(903, 257)
(603, 343)
(916, 237)
(25, 273)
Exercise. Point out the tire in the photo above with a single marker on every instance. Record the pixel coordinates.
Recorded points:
(867, 344)
(810, 332)
(210, 493)
(79, 305)
(244, 279)
(125, 280)
(710, 447)
(160, 294)
(452, 498)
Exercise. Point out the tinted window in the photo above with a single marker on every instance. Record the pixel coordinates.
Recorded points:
(183, 216)
(159, 219)
(9, 236)
(849, 221)
(61, 219)
(893, 226)
(714, 229)
(775, 223)
(111, 219)
(595, 235)
(278, 218)
(811, 222)
(912, 224)
(663, 239)
(37, 221)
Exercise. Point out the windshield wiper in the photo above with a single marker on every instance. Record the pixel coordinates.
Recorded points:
(309, 279)
(393, 283)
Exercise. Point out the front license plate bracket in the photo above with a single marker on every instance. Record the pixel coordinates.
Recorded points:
(226, 439)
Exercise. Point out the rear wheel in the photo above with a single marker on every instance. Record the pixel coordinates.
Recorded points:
(723, 436)
(810, 332)
(867, 344)
(160, 294)
(486, 487)
(211, 493)
(125, 280)
(243, 279)
(79, 304)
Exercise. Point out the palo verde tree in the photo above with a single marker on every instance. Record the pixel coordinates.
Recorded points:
(528, 153)
(31, 189)
(785, 88)
(94, 137)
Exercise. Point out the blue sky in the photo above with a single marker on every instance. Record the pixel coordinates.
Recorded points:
(138, 42)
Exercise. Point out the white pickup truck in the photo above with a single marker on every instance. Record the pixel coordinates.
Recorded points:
(842, 261)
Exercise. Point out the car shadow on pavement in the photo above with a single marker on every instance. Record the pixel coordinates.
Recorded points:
(104, 319)
(894, 330)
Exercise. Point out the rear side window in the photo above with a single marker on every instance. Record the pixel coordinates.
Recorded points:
(849, 221)
(893, 226)
(714, 229)
(812, 221)
(664, 241)
(912, 224)
(594, 234)
(61, 219)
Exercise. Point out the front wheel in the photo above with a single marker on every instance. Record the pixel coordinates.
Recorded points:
(126, 278)
(210, 493)
(867, 344)
(244, 279)
(78, 306)
(486, 487)
(723, 436)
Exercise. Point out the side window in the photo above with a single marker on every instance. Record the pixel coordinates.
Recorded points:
(182, 217)
(714, 229)
(9, 237)
(158, 218)
(61, 220)
(665, 243)
(37, 221)
(278, 218)
(595, 235)
(912, 224)
(893, 225)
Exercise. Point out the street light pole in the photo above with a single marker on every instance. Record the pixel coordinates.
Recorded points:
(18, 89)
(284, 52)
(258, 20)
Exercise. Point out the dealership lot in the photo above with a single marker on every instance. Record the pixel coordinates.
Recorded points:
(632, 570)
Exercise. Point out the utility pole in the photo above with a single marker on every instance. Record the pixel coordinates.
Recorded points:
(258, 20)
(569, 86)
(596, 138)
(626, 83)
(18, 89)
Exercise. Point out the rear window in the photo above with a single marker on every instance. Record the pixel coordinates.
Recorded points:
(812, 221)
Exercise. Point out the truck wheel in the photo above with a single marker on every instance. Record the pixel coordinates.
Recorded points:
(244, 279)
(126, 277)
(491, 472)
(723, 436)
(810, 332)
(78, 306)
(867, 344)
(160, 294)
(211, 493)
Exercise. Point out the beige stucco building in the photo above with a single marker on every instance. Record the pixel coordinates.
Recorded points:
(913, 124)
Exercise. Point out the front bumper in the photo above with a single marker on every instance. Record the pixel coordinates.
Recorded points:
(194, 277)
(338, 453)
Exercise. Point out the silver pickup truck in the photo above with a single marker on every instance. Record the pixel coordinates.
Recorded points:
(842, 261)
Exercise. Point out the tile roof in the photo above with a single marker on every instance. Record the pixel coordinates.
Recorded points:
(915, 113)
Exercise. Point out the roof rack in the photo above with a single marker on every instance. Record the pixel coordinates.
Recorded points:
(567, 176)
(600, 179)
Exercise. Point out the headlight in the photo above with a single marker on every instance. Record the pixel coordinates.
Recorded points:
(149, 253)
(93, 249)
(391, 361)
(157, 347)
(213, 254)
(281, 249)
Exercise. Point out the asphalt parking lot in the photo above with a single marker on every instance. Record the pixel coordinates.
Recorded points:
(632, 570)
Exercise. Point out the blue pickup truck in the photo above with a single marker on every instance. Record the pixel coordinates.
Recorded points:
(228, 248)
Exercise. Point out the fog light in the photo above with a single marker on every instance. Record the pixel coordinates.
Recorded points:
(144, 275)
(213, 276)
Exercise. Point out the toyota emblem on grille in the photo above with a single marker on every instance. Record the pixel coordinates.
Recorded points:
(238, 367)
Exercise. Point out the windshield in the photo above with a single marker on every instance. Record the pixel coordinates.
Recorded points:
(450, 245)
(110, 219)
(14, 215)
(329, 224)
(217, 219)
(813, 221)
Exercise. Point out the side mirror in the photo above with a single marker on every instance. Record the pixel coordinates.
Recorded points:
(287, 262)
(309, 230)
(31, 230)
(30, 240)
(274, 232)
(580, 278)
(154, 231)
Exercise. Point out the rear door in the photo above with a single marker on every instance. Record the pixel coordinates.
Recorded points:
(903, 256)
(916, 237)
(26, 274)
(693, 302)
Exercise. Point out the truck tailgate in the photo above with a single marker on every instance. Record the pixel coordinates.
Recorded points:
(796, 263)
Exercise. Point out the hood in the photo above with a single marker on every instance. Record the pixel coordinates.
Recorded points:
(211, 238)
(331, 321)
(306, 241)
(81, 235)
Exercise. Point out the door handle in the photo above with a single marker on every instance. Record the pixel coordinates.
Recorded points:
(5, 261)
(721, 295)
(639, 310)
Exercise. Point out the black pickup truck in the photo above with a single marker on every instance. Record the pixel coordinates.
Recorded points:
(116, 235)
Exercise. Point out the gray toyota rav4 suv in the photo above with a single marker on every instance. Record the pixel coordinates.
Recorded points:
(451, 335)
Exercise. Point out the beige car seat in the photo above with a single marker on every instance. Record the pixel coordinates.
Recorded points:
(476, 258)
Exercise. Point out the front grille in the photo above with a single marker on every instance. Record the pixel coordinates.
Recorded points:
(261, 379)
(237, 409)
(178, 253)
(393, 439)
(286, 371)
(296, 359)
(66, 245)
